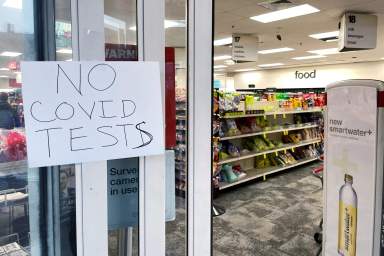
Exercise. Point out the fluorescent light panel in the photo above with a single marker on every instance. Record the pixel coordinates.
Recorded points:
(64, 51)
(222, 57)
(325, 35)
(4, 69)
(295, 11)
(219, 66)
(223, 41)
(276, 50)
(309, 57)
(10, 54)
(4, 76)
(270, 65)
(328, 51)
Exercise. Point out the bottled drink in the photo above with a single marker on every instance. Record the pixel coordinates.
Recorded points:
(347, 218)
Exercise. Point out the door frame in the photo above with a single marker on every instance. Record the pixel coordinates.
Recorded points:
(91, 178)
(200, 27)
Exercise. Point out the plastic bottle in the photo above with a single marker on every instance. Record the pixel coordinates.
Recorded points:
(347, 218)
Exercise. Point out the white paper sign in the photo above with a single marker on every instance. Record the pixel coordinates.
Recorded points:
(350, 168)
(91, 111)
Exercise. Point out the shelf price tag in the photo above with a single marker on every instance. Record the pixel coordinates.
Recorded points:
(285, 151)
(274, 116)
(265, 156)
(264, 178)
(265, 135)
(265, 117)
(293, 149)
(276, 153)
(284, 116)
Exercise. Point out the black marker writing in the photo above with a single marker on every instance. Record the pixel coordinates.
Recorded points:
(71, 139)
(103, 108)
(99, 129)
(71, 114)
(33, 115)
(141, 134)
(88, 114)
(61, 70)
(48, 141)
(125, 132)
(111, 75)
(133, 106)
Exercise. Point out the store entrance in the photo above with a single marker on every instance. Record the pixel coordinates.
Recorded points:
(272, 63)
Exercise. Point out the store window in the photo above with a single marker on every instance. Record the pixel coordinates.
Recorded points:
(17, 43)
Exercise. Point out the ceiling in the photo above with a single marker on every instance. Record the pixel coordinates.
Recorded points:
(234, 17)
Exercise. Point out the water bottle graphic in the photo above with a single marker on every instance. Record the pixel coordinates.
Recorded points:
(347, 218)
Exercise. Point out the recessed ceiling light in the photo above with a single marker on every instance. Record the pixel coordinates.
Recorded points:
(276, 50)
(223, 57)
(10, 54)
(64, 51)
(4, 76)
(219, 70)
(17, 4)
(133, 28)
(245, 70)
(325, 51)
(295, 11)
(223, 41)
(68, 60)
(309, 57)
(4, 69)
(325, 35)
(270, 65)
(219, 66)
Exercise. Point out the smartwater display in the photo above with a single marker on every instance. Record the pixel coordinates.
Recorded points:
(353, 181)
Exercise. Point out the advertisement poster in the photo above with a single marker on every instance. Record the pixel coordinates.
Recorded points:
(351, 134)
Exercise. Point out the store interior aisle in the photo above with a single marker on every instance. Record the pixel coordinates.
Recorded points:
(277, 217)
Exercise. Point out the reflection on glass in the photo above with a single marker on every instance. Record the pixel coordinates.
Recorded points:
(16, 44)
(121, 45)
(176, 119)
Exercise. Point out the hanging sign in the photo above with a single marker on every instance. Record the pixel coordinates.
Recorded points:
(358, 32)
(91, 111)
(244, 48)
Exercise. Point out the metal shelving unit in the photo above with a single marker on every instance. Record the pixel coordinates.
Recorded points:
(259, 173)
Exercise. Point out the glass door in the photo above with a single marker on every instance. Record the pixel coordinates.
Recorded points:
(131, 222)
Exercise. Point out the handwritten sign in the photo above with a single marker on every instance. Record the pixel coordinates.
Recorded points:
(91, 111)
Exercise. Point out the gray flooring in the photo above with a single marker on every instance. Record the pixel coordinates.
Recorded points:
(276, 217)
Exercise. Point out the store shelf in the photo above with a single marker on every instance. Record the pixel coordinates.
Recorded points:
(288, 128)
(257, 173)
(285, 147)
(312, 110)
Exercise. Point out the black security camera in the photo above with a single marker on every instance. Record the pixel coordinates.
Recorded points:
(278, 36)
